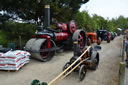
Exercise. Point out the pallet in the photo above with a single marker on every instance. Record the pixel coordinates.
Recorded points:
(12, 70)
(9, 70)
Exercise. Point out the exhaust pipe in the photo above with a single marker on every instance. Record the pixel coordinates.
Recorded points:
(46, 20)
(47, 16)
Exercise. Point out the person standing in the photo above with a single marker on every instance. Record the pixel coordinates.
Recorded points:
(126, 45)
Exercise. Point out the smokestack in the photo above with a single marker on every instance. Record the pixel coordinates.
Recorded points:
(47, 16)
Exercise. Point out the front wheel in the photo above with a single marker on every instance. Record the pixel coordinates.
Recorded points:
(46, 56)
(66, 66)
(39, 49)
(98, 41)
(82, 72)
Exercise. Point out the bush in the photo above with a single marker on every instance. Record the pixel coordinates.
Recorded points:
(3, 38)
(12, 31)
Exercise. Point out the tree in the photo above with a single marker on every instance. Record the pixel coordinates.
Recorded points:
(84, 21)
(122, 22)
(80, 19)
(32, 9)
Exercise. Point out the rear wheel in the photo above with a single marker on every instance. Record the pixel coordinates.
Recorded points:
(66, 66)
(72, 26)
(95, 64)
(80, 37)
(82, 72)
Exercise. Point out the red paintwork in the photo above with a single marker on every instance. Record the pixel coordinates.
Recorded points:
(61, 36)
(63, 26)
(44, 36)
(109, 35)
(80, 40)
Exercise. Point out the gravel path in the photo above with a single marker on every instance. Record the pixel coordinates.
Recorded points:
(106, 74)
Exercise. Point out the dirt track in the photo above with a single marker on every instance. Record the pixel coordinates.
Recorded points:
(106, 74)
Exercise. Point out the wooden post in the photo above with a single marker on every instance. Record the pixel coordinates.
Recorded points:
(122, 73)
(123, 49)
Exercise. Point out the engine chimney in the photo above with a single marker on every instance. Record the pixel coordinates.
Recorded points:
(47, 16)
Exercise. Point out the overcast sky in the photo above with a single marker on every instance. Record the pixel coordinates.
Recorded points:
(107, 8)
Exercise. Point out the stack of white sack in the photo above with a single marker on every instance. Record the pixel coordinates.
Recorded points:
(13, 60)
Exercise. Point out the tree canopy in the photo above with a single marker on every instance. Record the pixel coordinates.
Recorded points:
(94, 22)
(32, 9)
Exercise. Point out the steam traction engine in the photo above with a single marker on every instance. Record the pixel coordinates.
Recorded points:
(46, 41)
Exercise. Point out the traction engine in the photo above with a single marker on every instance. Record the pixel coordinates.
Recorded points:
(46, 41)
